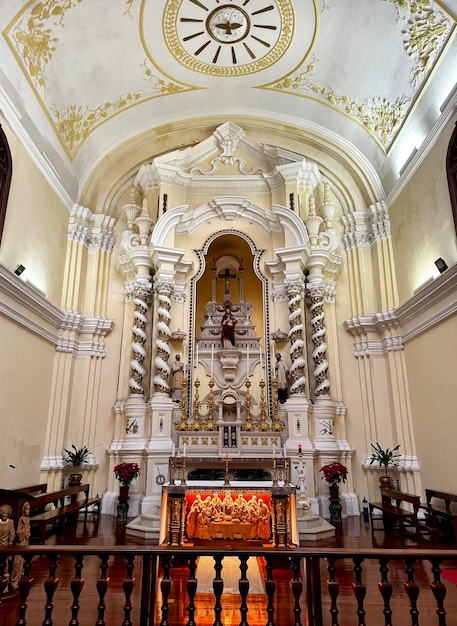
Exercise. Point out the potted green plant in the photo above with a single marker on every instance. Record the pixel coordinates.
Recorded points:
(76, 457)
(385, 458)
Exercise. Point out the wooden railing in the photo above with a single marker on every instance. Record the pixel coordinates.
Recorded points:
(146, 586)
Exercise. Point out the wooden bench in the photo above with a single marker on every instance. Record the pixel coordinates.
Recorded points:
(17, 497)
(397, 517)
(63, 510)
(441, 511)
(34, 489)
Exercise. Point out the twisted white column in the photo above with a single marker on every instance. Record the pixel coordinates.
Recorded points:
(295, 334)
(140, 300)
(318, 339)
(162, 369)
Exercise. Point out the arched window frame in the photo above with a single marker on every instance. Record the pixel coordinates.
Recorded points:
(451, 169)
(6, 170)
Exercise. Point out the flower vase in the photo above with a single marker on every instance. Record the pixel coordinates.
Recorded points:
(123, 504)
(335, 507)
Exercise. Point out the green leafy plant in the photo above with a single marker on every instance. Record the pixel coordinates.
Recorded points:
(76, 456)
(384, 457)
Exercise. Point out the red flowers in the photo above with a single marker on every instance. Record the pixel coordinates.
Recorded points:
(126, 472)
(334, 473)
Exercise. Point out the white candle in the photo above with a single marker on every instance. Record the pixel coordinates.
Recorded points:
(247, 361)
(274, 450)
(260, 357)
(196, 354)
(184, 449)
(212, 360)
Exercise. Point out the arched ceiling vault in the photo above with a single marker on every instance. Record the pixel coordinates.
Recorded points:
(96, 89)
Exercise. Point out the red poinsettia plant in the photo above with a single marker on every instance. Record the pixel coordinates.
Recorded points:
(334, 473)
(126, 472)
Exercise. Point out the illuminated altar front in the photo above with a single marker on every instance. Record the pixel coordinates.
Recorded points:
(229, 509)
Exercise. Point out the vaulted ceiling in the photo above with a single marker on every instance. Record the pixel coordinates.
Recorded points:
(79, 79)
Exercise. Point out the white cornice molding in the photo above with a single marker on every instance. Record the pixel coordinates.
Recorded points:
(41, 160)
(430, 305)
(435, 302)
(27, 307)
(415, 159)
(29, 298)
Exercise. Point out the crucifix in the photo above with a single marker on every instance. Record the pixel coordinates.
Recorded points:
(227, 277)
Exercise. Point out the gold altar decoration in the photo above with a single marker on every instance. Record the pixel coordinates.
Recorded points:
(201, 422)
(182, 425)
(248, 426)
(227, 515)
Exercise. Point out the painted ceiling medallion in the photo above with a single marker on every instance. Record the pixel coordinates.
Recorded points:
(229, 39)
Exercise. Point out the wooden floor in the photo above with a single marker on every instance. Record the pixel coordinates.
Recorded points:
(353, 533)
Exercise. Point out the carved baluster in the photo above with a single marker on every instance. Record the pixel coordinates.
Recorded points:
(270, 588)
(127, 586)
(386, 590)
(25, 584)
(50, 586)
(102, 587)
(333, 590)
(439, 591)
(243, 586)
(360, 590)
(191, 590)
(297, 588)
(165, 588)
(76, 587)
(412, 589)
(218, 587)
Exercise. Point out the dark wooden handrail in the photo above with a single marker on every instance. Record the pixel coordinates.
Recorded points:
(311, 602)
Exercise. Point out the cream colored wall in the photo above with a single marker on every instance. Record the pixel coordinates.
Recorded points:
(26, 369)
(423, 230)
(421, 221)
(35, 235)
(36, 225)
(432, 362)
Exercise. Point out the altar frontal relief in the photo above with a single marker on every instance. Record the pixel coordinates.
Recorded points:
(227, 515)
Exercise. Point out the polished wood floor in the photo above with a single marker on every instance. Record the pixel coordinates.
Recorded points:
(352, 534)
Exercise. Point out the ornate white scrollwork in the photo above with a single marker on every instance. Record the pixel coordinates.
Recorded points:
(162, 369)
(318, 339)
(139, 338)
(297, 344)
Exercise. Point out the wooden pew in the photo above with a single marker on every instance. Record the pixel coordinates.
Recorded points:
(34, 489)
(16, 498)
(63, 510)
(397, 517)
(39, 517)
(441, 511)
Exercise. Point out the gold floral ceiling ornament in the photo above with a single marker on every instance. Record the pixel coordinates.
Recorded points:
(228, 39)
(37, 36)
(424, 38)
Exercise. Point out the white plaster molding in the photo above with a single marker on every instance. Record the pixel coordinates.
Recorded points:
(25, 322)
(41, 160)
(28, 297)
(430, 305)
